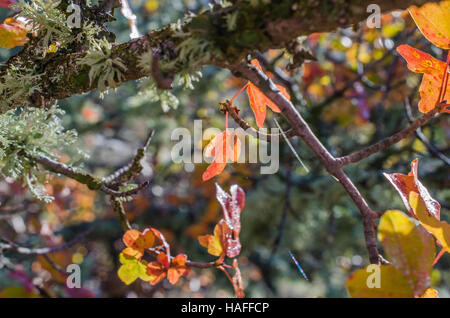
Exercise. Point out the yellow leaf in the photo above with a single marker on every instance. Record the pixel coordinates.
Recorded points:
(392, 283)
(439, 229)
(433, 20)
(410, 248)
(430, 293)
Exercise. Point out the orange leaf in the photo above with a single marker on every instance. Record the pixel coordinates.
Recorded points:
(405, 184)
(224, 146)
(430, 293)
(259, 101)
(433, 70)
(162, 267)
(177, 268)
(12, 33)
(137, 242)
(216, 244)
(433, 20)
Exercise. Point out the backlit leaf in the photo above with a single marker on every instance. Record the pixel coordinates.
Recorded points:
(439, 229)
(410, 248)
(392, 284)
(433, 70)
(259, 101)
(433, 20)
(224, 146)
(12, 33)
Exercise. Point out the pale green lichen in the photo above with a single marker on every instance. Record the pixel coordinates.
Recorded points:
(105, 69)
(16, 86)
(154, 94)
(47, 20)
(31, 132)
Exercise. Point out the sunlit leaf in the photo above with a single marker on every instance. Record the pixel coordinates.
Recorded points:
(131, 269)
(410, 248)
(392, 284)
(224, 146)
(12, 33)
(439, 229)
(430, 293)
(433, 73)
(433, 20)
(259, 101)
(137, 242)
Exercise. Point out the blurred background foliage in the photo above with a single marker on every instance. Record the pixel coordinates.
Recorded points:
(353, 95)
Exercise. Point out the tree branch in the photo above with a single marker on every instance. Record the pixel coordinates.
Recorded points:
(260, 30)
(389, 141)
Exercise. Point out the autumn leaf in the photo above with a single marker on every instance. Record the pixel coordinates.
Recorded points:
(232, 205)
(177, 268)
(174, 269)
(430, 293)
(132, 269)
(238, 284)
(405, 184)
(433, 20)
(137, 242)
(223, 147)
(439, 229)
(225, 240)
(410, 248)
(392, 283)
(259, 101)
(12, 33)
(411, 251)
(433, 73)
(216, 244)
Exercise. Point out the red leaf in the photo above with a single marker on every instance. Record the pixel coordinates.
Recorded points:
(162, 267)
(224, 146)
(259, 101)
(433, 70)
(232, 206)
(405, 184)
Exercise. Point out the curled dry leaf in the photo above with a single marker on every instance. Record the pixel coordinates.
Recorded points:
(405, 184)
(225, 240)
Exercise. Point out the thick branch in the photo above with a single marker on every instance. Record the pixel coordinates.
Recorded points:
(261, 27)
